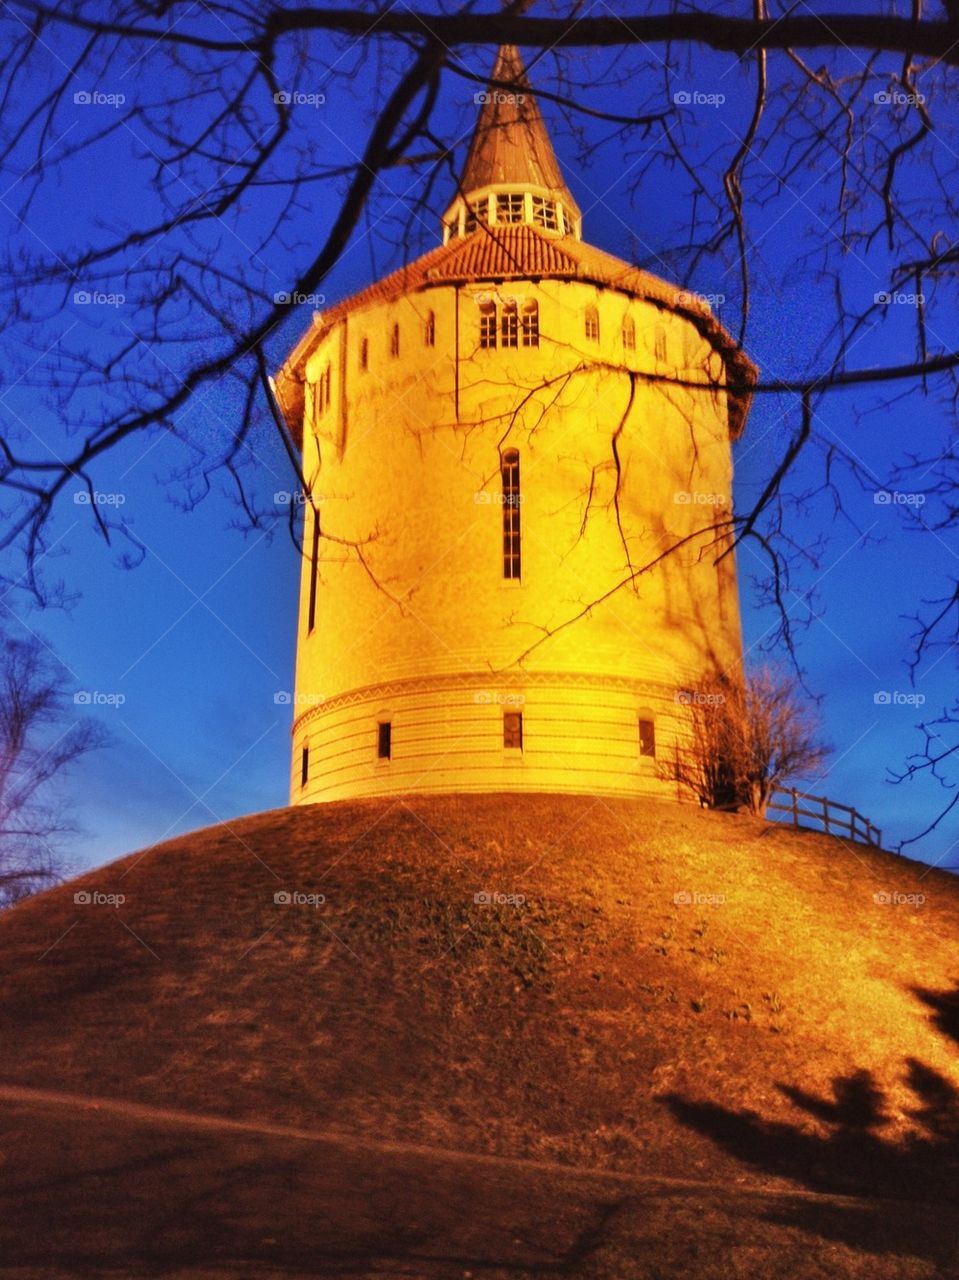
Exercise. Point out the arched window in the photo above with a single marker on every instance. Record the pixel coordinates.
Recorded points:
(647, 735)
(531, 323)
(659, 343)
(629, 334)
(365, 353)
(592, 324)
(510, 324)
(395, 341)
(509, 470)
(429, 329)
(487, 310)
(513, 730)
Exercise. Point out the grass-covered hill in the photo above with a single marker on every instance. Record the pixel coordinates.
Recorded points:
(614, 984)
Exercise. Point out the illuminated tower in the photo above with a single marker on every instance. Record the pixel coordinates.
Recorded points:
(504, 438)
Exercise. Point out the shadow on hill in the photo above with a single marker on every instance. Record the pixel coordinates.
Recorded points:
(945, 1007)
(849, 1150)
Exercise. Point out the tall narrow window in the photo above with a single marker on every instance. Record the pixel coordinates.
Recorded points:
(327, 386)
(629, 334)
(647, 738)
(531, 323)
(429, 329)
(509, 466)
(395, 341)
(384, 740)
(513, 730)
(591, 324)
(659, 344)
(487, 324)
(509, 326)
(314, 568)
(304, 766)
(365, 354)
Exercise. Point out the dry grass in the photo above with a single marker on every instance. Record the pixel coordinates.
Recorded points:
(601, 1022)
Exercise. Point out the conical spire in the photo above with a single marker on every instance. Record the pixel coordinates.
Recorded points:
(511, 172)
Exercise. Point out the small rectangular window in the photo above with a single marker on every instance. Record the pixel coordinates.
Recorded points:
(305, 766)
(591, 324)
(629, 334)
(647, 738)
(531, 324)
(384, 740)
(365, 354)
(509, 208)
(659, 345)
(477, 214)
(429, 329)
(395, 341)
(544, 213)
(513, 730)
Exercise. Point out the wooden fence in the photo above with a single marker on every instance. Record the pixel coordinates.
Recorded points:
(834, 819)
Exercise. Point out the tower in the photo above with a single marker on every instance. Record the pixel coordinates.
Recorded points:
(519, 448)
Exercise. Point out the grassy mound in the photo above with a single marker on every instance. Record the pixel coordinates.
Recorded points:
(626, 984)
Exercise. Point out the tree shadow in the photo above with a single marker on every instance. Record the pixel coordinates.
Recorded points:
(851, 1151)
(945, 1006)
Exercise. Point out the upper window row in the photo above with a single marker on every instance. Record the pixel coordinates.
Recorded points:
(503, 326)
(591, 330)
(509, 207)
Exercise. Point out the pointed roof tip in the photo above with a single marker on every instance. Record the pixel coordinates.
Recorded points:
(511, 145)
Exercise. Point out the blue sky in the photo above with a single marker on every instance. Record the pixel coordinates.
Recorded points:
(200, 637)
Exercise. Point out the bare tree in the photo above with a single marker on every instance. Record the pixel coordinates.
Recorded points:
(746, 739)
(841, 117)
(39, 742)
